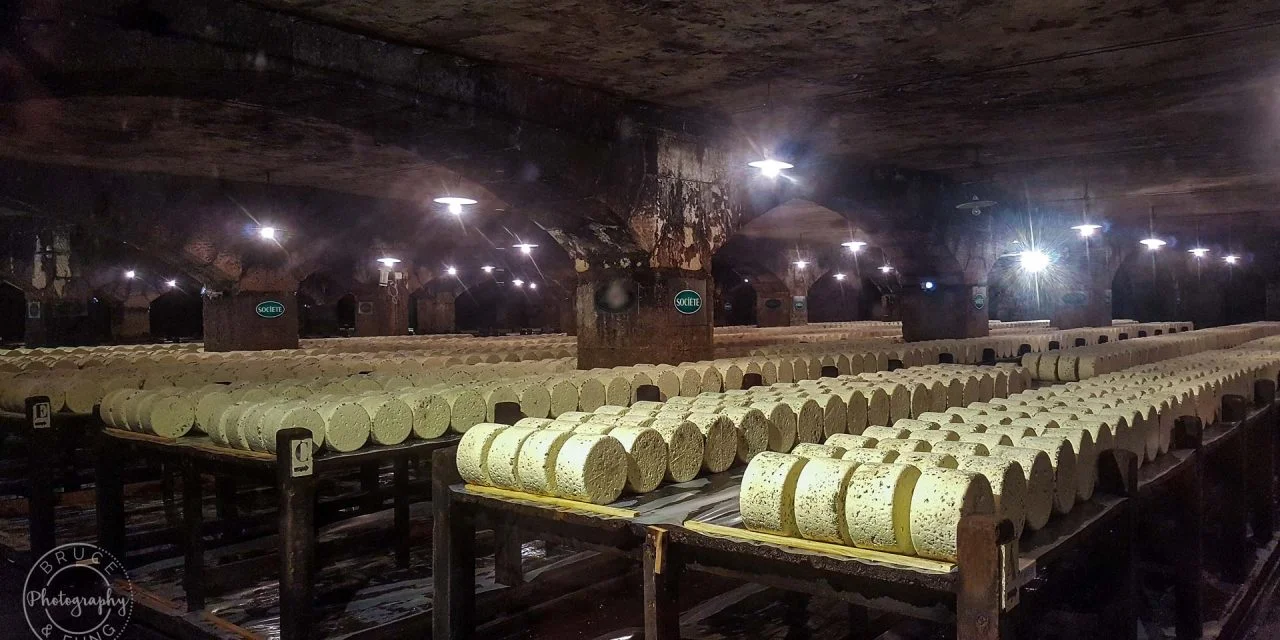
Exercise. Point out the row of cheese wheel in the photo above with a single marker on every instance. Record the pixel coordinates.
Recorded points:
(1086, 362)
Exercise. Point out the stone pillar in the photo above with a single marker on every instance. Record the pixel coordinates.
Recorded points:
(799, 310)
(568, 317)
(630, 316)
(436, 313)
(382, 311)
(246, 321)
(131, 320)
(773, 308)
(947, 311)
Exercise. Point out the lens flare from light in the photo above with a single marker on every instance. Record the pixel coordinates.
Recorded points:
(267, 233)
(172, 283)
(769, 167)
(800, 264)
(453, 271)
(455, 203)
(1198, 252)
(518, 282)
(389, 262)
(1231, 259)
(525, 247)
(854, 246)
(1087, 230)
(130, 274)
(1034, 261)
(886, 269)
(533, 285)
(1152, 243)
(487, 269)
(839, 276)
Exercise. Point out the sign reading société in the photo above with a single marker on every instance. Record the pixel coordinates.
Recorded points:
(269, 309)
(688, 302)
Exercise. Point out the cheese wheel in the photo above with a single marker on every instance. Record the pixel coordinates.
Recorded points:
(855, 401)
(430, 412)
(927, 460)
(668, 383)
(959, 448)
(834, 414)
(1086, 459)
(1063, 458)
(820, 495)
(988, 440)
(591, 468)
(767, 497)
(685, 447)
(782, 424)
(934, 436)
(810, 450)
(592, 392)
(170, 417)
(722, 440)
(878, 507)
(564, 396)
(941, 498)
(536, 423)
(290, 415)
(809, 418)
(346, 424)
(247, 432)
(1008, 486)
(1014, 432)
(536, 463)
(753, 431)
(916, 425)
(502, 458)
(390, 419)
(533, 397)
(646, 457)
(849, 441)
(899, 401)
(595, 428)
(1038, 471)
(905, 446)
(942, 418)
(466, 408)
(576, 417)
(878, 412)
(885, 433)
(870, 456)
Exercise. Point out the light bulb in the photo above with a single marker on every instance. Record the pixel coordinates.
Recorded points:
(453, 271)
(533, 285)
(1087, 230)
(454, 203)
(839, 276)
(487, 269)
(1152, 243)
(886, 269)
(854, 245)
(1033, 261)
(267, 233)
(769, 167)
(928, 285)
(518, 282)
(1231, 259)
(389, 262)
(800, 264)
(172, 283)
(131, 274)
(1198, 252)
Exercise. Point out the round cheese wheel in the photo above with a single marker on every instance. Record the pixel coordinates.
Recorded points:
(291, 415)
(941, 418)
(503, 457)
(934, 436)
(753, 430)
(809, 418)
(229, 434)
(782, 424)
(1008, 486)
(820, 496)
(686, 447)
(1038, 471)
(870, 456)
(1086, 460)
(767, 497)
(1063, 458)
(536, 463)
(591, 468)
(430, 412)
(905, 446)
(564, 396)
(878, 411)
(466, 408)
(170, 417)
(885, 433)
(941, 498)
(534, 398)
(390, 419)
(810, 450)
(916, 425)
(722, 440)
(1014, 432)
(959, 448)
(987, 440)
(473, 450)
(346, 424)
(849, 441)
(595, 427)
(878, 507)
(834, 414)
(646, 457)
(536, 423)
(927, 460)
(855, 401)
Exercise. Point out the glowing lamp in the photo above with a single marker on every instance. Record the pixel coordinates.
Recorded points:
(1087, 230)
(769, 167)
(455, 203)
(1033, 261)
(267, 233)
(1231, 259)
(453, 271)
(1152, 243)
(518, 282)
(839, 276)
(886, 269)
(1198, 252)
(854, 245)
(131, 274)
(389, 262)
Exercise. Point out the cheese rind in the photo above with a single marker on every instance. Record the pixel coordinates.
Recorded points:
(820, 500)
(591, 468)
(646, 457)
(878, 507)
(941, 498)
(536, 466)
(767, 497)
(473, 449)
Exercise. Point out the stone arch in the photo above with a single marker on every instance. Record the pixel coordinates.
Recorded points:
(176, 314)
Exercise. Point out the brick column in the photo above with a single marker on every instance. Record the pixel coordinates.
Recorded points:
(946, 311)
(380, 312)
(131, 319)
(646, 327)
(232, 321)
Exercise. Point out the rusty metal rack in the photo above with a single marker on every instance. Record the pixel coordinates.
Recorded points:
(292, 473)
(695, 526)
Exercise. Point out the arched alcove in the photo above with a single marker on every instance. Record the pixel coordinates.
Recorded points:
(346, 314)
(13, 313)
(833, 299)
(177, 314)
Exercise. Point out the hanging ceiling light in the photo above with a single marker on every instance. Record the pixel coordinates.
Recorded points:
(487, 269)
(1034, 261)
(1198, 252)
(1087, 230)
(525, 247)
(455, 203)
(839, 276)
(1152, 243)
(533, 285)
(172, 283)
(769, 167)
(886, 269)
(746, 280)
(389, 262)
(800, 264)
(518, 282)
(267, 233)
(927, 285)
(1231, 259)
(130, 274)
(453, 271)
(854, 245)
